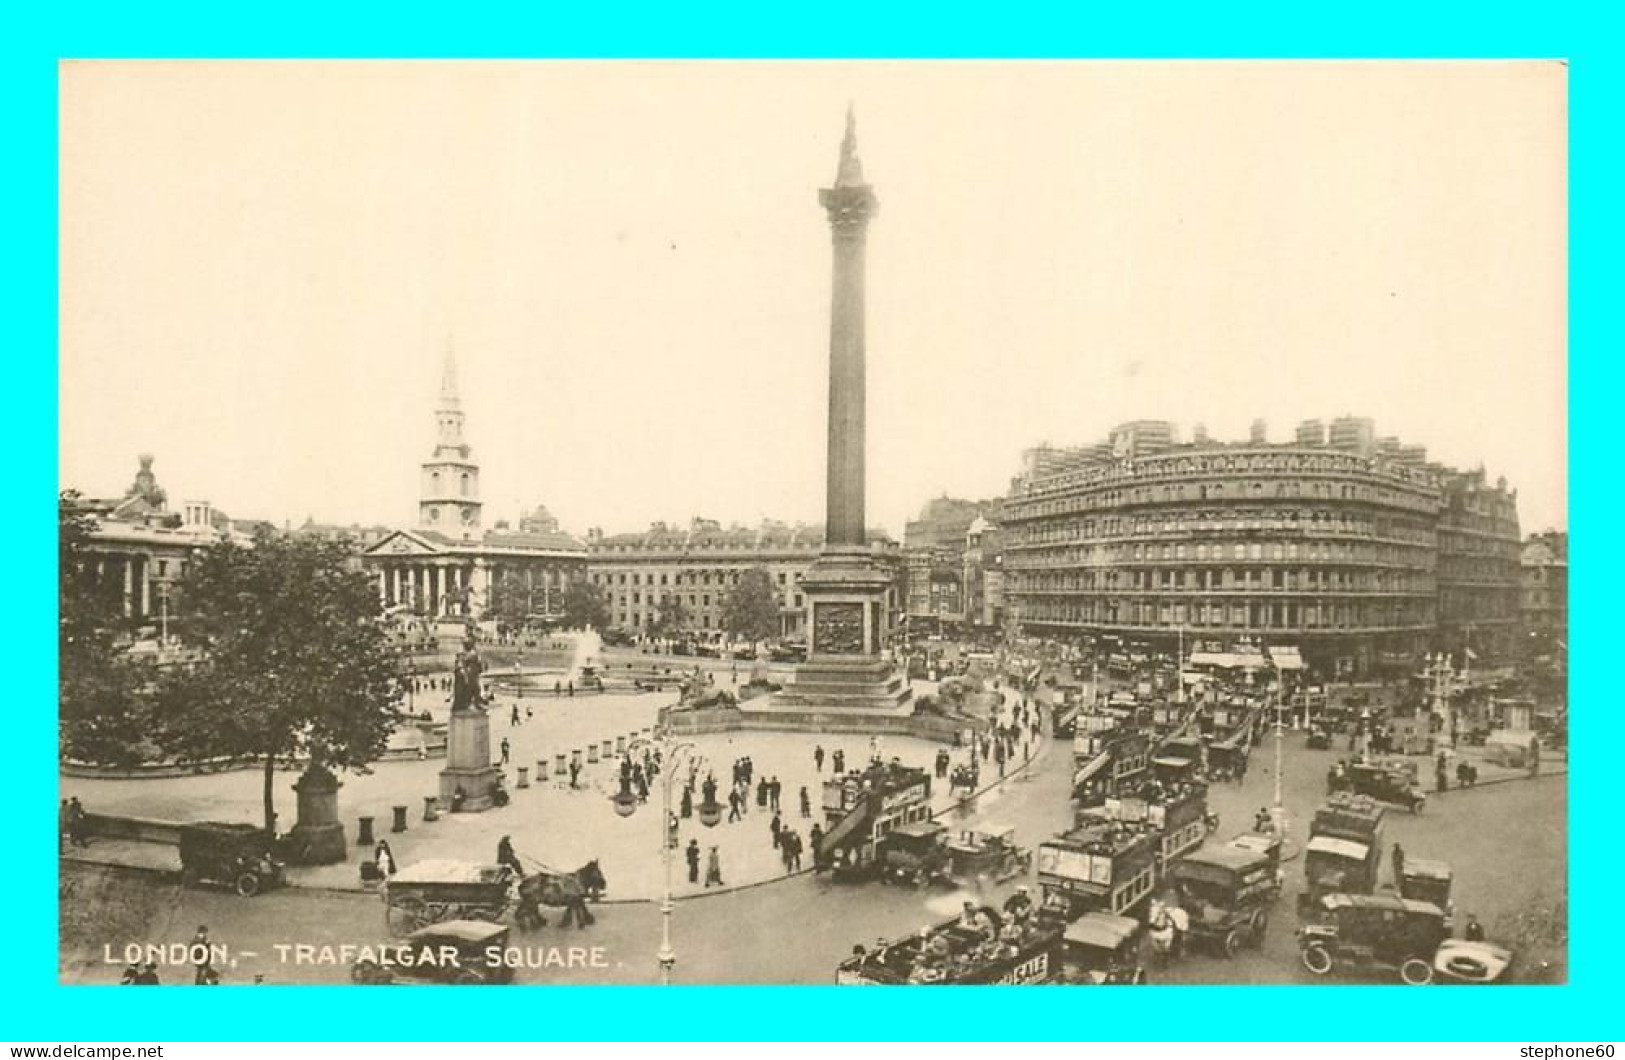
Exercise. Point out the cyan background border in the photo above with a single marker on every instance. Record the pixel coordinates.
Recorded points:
(36, 38)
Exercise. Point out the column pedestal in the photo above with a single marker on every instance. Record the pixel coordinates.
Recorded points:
(468, 762)
(846, 602)
(317, 837)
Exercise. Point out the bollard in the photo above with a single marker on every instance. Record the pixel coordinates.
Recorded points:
(559, 768)
(608, 752)
(592, 753)
(400, 819)
(575, 759)
(431, 807)
(363, 835)
(524, 776)
(541, 769)
(620, 746)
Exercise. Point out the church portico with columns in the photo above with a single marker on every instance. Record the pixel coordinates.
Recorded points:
(431, 574)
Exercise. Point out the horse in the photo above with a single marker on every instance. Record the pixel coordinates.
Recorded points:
(569, 891)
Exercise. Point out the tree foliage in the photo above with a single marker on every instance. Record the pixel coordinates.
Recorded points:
(671, 617)
(584, 605)
(104, 710)
(511, 601)
(295, 661)
(751, 610)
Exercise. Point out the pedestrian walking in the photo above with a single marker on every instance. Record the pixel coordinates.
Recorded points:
(818, 758)
(761, 794)
(774, 790)
(839, 761)
(76, 823)
(795, 851)
(1398, 861)
(506, 855)
(693, 855)
(815, 835)
(733, 806)
(384, 858)
(806, 802)
(203, 958)
(513, 718)
(575, 774)
(505, 750)
(713, 869)
(686, 804)
(775, 826)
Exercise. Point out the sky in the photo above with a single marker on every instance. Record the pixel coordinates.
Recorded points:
(263, 266)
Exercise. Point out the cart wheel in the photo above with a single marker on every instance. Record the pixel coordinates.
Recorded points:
(1317, 959)
(1233, 941)
(248, 884)
(1416, 972)
(406, 915)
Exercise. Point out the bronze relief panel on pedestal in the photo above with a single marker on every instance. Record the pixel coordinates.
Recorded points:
(838, 629)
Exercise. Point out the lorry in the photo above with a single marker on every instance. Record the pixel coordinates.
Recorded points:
(1344, 852)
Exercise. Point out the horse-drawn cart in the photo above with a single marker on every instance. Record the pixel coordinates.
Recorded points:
(990, 855)
(430, 892)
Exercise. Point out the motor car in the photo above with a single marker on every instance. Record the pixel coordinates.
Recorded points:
(456, 952)
(1226, 892)
(1366, 933)
(1099, 949)
(241, 856)
(914, 853)
(1385, 783)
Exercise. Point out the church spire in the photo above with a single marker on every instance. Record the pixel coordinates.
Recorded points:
(448, 381)
(850, 172)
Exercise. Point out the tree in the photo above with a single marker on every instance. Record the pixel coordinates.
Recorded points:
(104, 710)
(295, 662)
(510, 601)
(751, 610)
(584, 605)
(671, 618)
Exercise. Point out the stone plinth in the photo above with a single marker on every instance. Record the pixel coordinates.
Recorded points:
(317, 837)
(468, 762)
(846, 596)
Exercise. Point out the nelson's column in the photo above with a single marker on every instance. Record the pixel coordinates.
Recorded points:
(845, 587)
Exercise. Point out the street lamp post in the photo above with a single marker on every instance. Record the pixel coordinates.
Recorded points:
(673, 755)
(1278, 811)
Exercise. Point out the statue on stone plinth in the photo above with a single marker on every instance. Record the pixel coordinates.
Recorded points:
(465, 686)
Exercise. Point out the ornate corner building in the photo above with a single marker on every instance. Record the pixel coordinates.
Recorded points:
(1354, 550)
